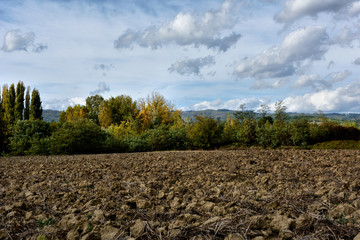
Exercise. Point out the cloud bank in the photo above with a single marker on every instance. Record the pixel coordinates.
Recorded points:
(187, 29)
(62, 104)
(337, 100)
(233, 104)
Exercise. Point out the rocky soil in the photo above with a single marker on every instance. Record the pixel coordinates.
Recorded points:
(242, 194)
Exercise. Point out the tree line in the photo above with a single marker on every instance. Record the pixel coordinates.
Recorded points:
(120, 124)
(16, 105)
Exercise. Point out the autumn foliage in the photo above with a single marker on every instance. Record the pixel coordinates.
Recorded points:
(120, 124)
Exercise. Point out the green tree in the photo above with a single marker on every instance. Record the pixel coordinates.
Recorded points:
(27, 104)
(244, 114)
(19, 103)
(280, 111)
(8, 103)
(264, 117)
(0, 104)
(93, 106)
(117, 110)
(246, 134)
(300, 131)
(35, 106)
(2, 128)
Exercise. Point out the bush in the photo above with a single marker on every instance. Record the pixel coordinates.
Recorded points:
(28, 137)
(157, 139)
(205, 133)
(178, 138)
(82, 136)
(300, 132)
(136, 144)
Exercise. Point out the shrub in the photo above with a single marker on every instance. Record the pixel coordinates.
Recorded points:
(205, 133)
(82, 136)
(28, 137)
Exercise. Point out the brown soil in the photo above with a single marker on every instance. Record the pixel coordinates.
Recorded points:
(243, 194)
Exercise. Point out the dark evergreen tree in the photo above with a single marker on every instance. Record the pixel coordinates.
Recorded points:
(19, 103)
(35, 106)
(27, 104)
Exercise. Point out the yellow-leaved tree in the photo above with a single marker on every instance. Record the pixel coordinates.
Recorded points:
(155, 110)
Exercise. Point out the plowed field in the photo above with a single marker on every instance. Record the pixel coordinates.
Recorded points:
(242, 194)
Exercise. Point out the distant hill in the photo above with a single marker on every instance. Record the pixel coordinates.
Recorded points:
(53, 115)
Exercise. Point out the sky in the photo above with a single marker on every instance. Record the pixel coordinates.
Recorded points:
(203, 54)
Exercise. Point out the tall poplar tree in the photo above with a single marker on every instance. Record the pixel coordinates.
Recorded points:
(0, 104)
(6, 104)
(19, 103)
(2, 128)
(27, 104)
(35, 106)
(5, 93)
(11, 107)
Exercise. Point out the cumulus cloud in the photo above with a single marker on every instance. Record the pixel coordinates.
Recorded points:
(14, 40)
(342, 99)
(299, 47)
(102, 87)
(296, 9)
(317, 83)
(62, 104)
(187, 29)
(191, 66)
(233, 104)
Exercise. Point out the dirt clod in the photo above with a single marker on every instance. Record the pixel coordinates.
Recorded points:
(242, 194)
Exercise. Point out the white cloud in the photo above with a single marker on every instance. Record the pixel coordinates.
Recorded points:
(191, 66)
(342, 99)
(14, 40)
(354, 9)
(305, 44)
(261, 84)
(317, 83)
(296, 9)
(233, 104)
(187, 29)
(102, 88)
(62, 104)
